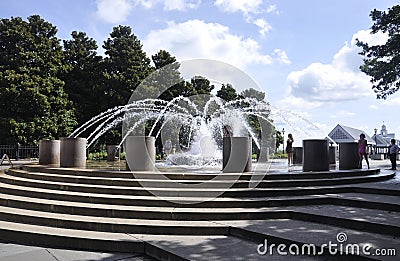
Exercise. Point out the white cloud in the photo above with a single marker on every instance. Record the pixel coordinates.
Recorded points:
(291, 102)
(281, 56)
(264, 26)
(246, 7)
(181, 5)
(391, 101)
(117, 11)
(342, 113)
(339, 80)
(378, 38)
(273, 9)
(114, 11)
(325, 82)
(198, 39)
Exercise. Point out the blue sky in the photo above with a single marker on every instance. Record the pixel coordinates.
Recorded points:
(301, 53)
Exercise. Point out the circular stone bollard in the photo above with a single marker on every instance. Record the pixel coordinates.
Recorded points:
(49, 152)
(236, 154)
(111, 152)
(315, 155)
(332, 155)
(297, 155)
(73, 152)
(348, 155)
(140, 153)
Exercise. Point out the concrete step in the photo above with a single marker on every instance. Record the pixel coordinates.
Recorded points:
(43, 236)
(166, 188)
(17, 196)
(289, 231)
(224, 248)
(363, 219)
(135, 182)
(187, 175)
(205, 214)
(69, 238)
(62, 205)
(182, 196)
(107, 224)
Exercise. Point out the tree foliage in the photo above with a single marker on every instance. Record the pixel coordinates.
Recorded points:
(83, 80)
(125, 64)
(47, 89)
(382, 62)
(33, 102)
(253, 93)
(227, 92)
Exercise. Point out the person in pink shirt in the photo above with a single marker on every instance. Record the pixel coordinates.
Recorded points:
(362, 150)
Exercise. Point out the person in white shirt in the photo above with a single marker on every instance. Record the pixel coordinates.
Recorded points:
(393, 149)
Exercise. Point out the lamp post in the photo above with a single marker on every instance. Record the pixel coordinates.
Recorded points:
(375, 130)
(283, 134)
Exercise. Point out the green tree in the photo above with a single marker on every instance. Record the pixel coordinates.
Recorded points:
(83, 79)
(227, 92)
(253, 93)
(279, 139)
(126, 65)
(33, 102)
(381, 62)
(170, 76)
(201, 85)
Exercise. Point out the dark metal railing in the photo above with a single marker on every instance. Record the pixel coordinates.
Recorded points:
(19, 152)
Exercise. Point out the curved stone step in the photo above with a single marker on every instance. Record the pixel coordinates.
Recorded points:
(200, 176)
(298, 232)
(199, 196)
(81, 240)
(172, 188)
(69, 238)
(111, 207)
(108, 224)
(134, 182)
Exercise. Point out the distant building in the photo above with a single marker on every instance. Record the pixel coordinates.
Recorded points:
(383, 140)
(342, 133)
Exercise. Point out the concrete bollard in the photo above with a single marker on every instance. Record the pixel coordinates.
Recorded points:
(264, 155)
(315, 155)
(73, 152)
(140, 153)
(49, 152)
(348, 155)
(332, 155)
(236, 154)
(111, 152)
(297, 155)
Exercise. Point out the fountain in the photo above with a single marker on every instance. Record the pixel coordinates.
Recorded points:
(199, 119)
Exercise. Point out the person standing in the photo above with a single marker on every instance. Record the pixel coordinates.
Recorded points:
(289, 148)
(168, 147)
(393, 149)
(362, 150)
